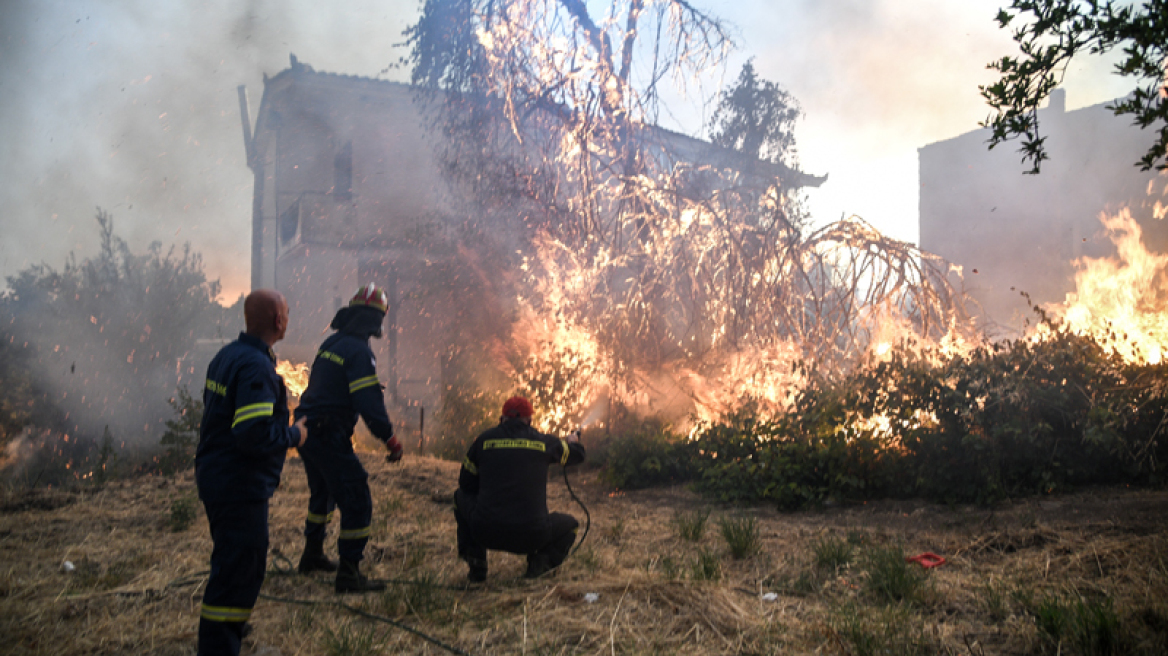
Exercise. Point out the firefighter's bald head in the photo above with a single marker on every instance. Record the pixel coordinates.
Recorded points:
(266, 314)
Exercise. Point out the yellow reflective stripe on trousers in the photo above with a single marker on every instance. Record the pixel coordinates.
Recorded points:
(225, 613)
(470, 466)
(252, 411)
(564, 458)
(320, 519)
(354, 533)
(534, 445)
(362, 383)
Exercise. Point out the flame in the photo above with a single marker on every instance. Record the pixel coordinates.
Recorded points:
(1122, 299)
(295, 376)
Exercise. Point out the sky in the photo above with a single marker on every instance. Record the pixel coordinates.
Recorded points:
(131, 106)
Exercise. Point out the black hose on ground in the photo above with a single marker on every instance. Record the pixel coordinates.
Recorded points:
(587, 515)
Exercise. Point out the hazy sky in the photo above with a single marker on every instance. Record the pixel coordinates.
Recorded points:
(131, 105)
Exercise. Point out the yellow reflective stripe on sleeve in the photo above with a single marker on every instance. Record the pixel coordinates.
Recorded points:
(217, 387)
(362, 383)
(225, 613)
(320, 519)
(252, 411)
(470, 466)
(354, 533)
(330, 356)
(534, 445)
(564, 458)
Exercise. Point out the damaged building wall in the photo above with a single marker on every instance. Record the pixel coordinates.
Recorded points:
(1016, 233)
(348, 193)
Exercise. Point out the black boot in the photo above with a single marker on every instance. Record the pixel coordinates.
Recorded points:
(350, 579)
(478, 570)
(537, 566)
(313, 559)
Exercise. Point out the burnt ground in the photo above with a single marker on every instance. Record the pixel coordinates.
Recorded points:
(133, 584)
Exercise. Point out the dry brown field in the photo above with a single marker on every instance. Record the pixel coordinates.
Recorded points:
(633, 587)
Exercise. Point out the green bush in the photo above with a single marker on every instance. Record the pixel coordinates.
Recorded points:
(706, 567)
(691, 526)
(647, 455)
(741, 536)
(891, 578)
(183, 512)
(832, 553)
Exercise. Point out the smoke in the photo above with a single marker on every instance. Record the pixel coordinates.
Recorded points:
(132, 106)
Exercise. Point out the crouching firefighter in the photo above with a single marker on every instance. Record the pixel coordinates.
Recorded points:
(501, 501)
(342, 386)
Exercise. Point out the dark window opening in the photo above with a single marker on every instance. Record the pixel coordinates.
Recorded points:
(343, 173)
(290, 222)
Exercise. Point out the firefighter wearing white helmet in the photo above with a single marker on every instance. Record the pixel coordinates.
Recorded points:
(343, 385)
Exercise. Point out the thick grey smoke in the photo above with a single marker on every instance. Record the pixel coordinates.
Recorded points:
(131, 106)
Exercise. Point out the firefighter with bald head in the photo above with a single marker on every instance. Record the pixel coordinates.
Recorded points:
(243, 439)
(343, 386)
(501, 502)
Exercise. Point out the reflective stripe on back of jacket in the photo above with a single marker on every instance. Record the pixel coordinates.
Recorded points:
(245, 434)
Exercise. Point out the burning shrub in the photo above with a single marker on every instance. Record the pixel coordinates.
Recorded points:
(1025, 416)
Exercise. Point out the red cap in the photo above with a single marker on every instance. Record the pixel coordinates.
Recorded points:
(517, 406)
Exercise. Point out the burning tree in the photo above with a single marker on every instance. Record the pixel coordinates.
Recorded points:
(653, 263)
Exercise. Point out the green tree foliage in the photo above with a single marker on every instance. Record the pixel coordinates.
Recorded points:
(756, 117)
(1057, 31)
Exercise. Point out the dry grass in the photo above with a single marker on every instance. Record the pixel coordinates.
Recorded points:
(136, 585)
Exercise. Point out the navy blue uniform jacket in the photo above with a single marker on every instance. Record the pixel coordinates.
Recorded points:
(343, 384)
(245, 433)
(507, 468)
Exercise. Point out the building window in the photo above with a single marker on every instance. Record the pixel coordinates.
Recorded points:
(290, 222)
(343, 173)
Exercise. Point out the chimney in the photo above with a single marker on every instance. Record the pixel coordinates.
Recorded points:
(1058, 101)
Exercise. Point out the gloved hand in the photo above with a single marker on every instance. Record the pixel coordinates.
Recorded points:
(574, 436)
(395, 450)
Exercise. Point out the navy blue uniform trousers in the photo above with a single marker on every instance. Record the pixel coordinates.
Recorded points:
(239, 559)
(550, 538)
(329, 459)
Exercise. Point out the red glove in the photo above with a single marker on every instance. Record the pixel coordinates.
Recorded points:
(395, 450)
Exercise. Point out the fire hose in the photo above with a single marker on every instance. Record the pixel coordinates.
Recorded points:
(587, 515)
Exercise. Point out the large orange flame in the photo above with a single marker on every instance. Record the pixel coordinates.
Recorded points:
(295, 376)
(1122, 299)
